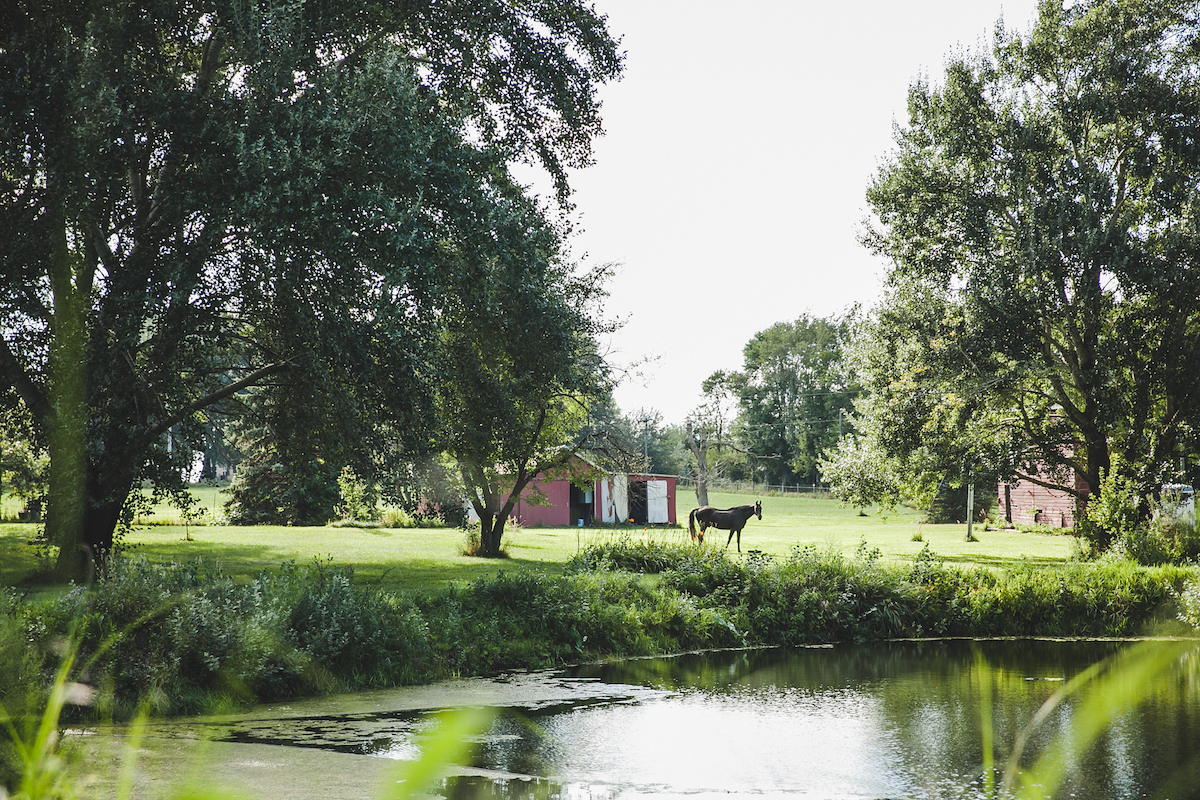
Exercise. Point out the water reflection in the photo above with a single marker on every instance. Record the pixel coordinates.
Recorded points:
(899, 719)
(889, 720)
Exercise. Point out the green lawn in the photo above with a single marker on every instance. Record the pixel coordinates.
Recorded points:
(10, 506)
(417, 558)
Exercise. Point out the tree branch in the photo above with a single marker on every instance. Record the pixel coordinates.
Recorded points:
(14, 375)
(202, 402)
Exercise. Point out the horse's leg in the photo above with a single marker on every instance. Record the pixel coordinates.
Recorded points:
(732, 531)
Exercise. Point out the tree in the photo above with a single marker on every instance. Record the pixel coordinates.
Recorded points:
(287, 475)
(697, 441)
(663, 448)
(200, 199)
(1039, 213)
(860, 474)
(708, 427)
(23, 462)
(520, 370)
(791, 391)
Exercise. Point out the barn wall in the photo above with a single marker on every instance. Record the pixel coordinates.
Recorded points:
(558, 494)
(670, 481)
(1025, 503)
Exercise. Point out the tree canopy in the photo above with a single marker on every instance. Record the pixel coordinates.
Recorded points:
(197, 199)
(1041, 312)
(773, 419)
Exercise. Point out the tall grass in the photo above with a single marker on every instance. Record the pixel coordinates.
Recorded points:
(1114, 685)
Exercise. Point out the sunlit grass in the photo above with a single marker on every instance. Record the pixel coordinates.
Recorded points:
(788, 521)
(420, 558)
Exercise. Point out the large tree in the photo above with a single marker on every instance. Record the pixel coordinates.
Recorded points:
(520, 374)
(200, 198)
(1041, 314)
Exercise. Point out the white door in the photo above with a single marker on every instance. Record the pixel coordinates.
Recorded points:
(614, 498)
(656, 502)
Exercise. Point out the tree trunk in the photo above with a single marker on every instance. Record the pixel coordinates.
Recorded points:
(100, 513)
(67, 441)
(700, 453)
(490, 536)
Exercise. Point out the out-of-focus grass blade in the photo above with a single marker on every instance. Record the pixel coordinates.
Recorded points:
(1120, 684)
(451, 743)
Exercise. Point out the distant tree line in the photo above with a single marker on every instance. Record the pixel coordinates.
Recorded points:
(769, 422)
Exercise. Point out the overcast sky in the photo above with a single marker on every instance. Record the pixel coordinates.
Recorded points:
(730, 183)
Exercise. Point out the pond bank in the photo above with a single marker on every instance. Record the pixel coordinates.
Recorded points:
(185, 638)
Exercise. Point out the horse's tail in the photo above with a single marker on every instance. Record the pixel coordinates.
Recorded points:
(692, 524)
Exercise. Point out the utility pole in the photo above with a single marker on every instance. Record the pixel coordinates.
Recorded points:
(970, 507)
(645, 420)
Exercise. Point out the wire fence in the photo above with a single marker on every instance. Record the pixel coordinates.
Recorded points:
(765, 489)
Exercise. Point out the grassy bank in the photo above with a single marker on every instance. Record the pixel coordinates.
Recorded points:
(198, 618)
(190, 637)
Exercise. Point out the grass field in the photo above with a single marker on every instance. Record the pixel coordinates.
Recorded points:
(425, 557)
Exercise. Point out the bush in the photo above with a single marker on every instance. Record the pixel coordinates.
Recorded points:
(1159, 542)
(270, 492)
(186, 638)
(359, 500)
(1114, 515)
(642, 555)
(397, 518)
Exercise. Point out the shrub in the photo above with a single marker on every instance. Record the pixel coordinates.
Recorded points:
(642, 555)
(397, 518)
(187, 638)
(359, 500)
(1114, 514)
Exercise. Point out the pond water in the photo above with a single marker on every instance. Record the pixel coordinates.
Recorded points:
(887, 720)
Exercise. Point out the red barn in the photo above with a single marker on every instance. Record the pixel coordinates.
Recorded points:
(1024, 503)
(644, 499)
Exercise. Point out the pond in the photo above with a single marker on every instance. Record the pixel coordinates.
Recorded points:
(886, 720)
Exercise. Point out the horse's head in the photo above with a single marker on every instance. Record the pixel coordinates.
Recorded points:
(758, 509)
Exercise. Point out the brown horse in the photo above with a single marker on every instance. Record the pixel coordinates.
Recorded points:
(726, 519)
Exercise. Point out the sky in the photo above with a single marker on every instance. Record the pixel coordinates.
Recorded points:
(730, 183)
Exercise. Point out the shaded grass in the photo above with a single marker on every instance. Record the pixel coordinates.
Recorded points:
(18, 555)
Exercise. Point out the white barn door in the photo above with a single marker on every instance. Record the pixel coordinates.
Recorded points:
(614, 498)
(656, 502)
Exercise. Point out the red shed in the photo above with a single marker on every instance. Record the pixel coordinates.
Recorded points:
(616, 497)
(1024, 502)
